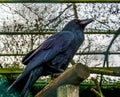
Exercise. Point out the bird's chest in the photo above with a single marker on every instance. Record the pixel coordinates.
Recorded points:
(68, 54)
(74, 46)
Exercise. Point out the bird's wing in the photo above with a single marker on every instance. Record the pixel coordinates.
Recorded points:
(48, 50)
(44, 46)
(62, 39)
(26, 59)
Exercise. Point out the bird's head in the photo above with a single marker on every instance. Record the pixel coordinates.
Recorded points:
(77, 24)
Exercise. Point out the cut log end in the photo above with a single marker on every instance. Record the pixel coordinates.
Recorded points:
(82, 70)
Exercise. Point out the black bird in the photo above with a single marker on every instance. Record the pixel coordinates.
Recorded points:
(53, 55)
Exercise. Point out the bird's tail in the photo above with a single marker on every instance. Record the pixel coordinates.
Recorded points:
(25, 83)
(34, 75)
(18, 84)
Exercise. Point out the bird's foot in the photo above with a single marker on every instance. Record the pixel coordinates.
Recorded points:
(55, 70)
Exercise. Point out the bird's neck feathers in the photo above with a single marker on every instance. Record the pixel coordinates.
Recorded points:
(79, 34)
(77, 31)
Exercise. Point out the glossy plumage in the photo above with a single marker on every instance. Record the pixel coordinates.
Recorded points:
(52, 56)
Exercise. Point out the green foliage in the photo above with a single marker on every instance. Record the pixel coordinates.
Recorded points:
(4, 84)
(107, 83)
(3, 89)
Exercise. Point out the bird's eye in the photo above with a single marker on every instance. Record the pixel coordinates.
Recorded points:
(77, 21)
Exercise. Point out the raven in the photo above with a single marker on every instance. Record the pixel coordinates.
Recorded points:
(52, 56)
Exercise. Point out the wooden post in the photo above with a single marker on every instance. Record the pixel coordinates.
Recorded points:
(73, 76)
(68, 91)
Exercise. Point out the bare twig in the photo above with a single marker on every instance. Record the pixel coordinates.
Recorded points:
(96, 92)
(16, 12)
(32, 11)
(75, 10)
(97, 86)
(52, 20)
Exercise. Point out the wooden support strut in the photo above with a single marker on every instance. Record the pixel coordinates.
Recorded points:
(73, 76)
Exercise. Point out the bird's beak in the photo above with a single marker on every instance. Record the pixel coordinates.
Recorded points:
(86, 21)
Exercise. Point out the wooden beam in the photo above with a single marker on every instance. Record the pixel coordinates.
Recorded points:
(112, 71)
(73, 76)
